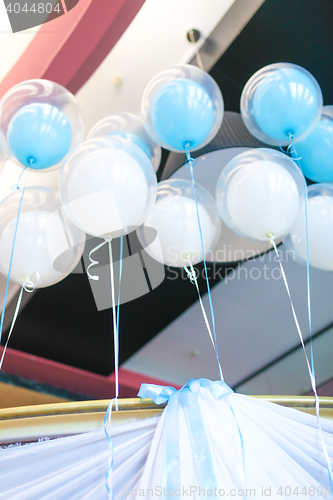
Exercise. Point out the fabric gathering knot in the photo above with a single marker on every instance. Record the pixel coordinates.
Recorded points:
(188, 394)
(187, 399)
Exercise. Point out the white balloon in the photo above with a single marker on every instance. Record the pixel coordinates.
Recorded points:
(257, 196)
(119, 198)
(320, 229)
(108, 186)
(47, 245)
(249, 194)
(174, 218)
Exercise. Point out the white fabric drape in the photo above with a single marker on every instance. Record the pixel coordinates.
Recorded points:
(282, 452)
(74, 468)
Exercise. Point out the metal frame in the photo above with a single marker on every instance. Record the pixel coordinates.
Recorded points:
(30, 423)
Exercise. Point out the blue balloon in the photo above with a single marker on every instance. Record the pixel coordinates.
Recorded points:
(316, 150)
(136, 140)
(286, 103)
(182, 114)
(39, 135)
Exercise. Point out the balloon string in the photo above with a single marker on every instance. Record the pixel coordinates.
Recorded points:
(190, 162)
(308, 276)
(108, 475)
(17, 185)
(193, 278)
(120, 276)
(12, 252)
(311, 371)
(197, 52)
(292, 152)
(29, 287)
(94, 262)
(272, 242)
(108, 413)
(115, 327)
(290, 149)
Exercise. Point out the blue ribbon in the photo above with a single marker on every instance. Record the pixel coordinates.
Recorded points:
(292, 153)
(12, 251)
(108, 412)
(190, 162)
(187, 397)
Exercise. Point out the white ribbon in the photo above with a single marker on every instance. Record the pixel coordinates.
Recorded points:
(312, 377)
(193, 278)
(94, 262)
(29, 287)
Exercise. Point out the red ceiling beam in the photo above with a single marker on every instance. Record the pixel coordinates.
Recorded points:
(73, 379)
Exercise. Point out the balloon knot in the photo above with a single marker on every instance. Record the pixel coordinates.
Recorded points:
(28, 284)
(190, 162)
(271, 238)
(191, 275)
(108, 237)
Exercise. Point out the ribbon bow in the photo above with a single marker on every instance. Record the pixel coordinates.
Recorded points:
(187, 397)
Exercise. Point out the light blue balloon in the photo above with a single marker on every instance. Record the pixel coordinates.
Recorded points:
(39, 135)
(285, 102)
(135, 139)
(316, 150)
(182, 114)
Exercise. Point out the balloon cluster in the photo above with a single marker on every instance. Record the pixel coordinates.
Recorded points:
(107, 183)
(182, 110)
(108, 186)
(262, 193)
(40, 123)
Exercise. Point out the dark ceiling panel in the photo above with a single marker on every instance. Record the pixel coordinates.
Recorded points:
(62, 322)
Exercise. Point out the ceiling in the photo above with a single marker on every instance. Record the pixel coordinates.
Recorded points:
(162, 334)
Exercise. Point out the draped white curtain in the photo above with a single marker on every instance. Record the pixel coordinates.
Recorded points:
(282, 452)
(283, 455)
(74, 468)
